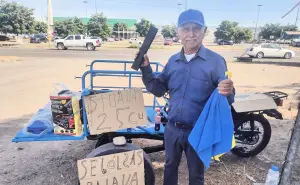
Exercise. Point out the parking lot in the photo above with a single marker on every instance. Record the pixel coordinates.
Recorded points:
(26, 78)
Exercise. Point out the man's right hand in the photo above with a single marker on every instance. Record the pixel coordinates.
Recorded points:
(146, 61)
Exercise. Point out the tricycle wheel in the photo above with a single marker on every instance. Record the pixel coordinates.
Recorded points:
(251, 142)
(110, 148)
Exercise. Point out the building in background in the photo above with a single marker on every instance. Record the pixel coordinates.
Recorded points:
(111, 21)
(125, 34)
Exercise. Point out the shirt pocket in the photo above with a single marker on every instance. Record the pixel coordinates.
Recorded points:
(199, 89)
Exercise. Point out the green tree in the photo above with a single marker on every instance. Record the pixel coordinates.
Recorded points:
(248, 34)
(242, 34)
(275, 30)
(169, 31)
(271, 30)
(39, 27)
(15, 18)
(143, 27)
(79, 27)
(226, 30)
(290, 27)
(98, 26)
(231, 31)
(69, 27)
(120, 26)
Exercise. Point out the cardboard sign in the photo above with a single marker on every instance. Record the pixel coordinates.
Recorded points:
(112, 111)
(125, 168)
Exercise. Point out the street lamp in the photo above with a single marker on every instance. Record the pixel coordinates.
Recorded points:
(257, 19)
(96, 6)
(86, 2)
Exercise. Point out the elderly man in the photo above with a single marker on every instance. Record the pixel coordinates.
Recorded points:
(190, 76)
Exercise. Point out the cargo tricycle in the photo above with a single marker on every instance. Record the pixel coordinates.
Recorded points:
(252, 130)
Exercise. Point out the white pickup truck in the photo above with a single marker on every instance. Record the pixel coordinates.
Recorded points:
(77, 41)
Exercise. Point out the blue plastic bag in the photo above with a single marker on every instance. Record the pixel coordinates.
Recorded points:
(213, 132)
(41, 123)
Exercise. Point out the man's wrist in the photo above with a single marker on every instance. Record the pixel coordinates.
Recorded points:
(146, 72)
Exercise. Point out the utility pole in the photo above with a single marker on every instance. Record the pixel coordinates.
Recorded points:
(179, 7)
(257, 20)
(96, 6)
(86, 2)
(50, 22)
(186, 1)
(297, 15)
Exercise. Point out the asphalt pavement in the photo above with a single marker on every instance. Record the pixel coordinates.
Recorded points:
(100, 53)
(123, 53)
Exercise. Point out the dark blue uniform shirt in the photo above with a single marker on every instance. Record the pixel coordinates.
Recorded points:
(190, 84)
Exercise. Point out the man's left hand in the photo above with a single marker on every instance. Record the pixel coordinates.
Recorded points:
(225, 87)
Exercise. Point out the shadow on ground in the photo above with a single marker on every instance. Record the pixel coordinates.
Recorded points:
(272, 62)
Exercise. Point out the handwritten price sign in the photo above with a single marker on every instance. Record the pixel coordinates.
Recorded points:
(125, 168)
(112, 111)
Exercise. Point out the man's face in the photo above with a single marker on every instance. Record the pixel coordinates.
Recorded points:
(191, 35)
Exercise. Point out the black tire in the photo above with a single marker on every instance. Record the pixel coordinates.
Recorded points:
(262, 145)
(260, 55)
(90, 47)
(110, 148)
(288, 55)
(65, 48)
(60, 46)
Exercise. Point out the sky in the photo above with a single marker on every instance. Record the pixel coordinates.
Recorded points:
(163, 12)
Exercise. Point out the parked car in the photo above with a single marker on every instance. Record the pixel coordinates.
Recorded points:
(283, 41)
(77, 41)
(295, 42)
(4, 38)
(168, 42)
(110, 39)
(261, 41)
(270, 50)
(225, 42)
(117, 39)
(237, 42)
(38, 39)
(55, 38)
(135, 41)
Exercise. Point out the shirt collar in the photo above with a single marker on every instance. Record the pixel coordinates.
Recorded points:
(200, 53)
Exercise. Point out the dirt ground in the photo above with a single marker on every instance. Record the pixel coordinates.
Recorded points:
(27, 82)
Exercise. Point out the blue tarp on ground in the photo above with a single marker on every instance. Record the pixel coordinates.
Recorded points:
(213, 132)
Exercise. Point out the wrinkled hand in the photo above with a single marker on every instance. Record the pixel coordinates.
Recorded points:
(146, 60)
(225, 87)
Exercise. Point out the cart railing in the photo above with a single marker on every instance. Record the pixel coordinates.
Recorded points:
(130, 74)
(124, 73)
(92, 88)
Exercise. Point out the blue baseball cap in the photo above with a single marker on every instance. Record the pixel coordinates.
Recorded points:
(191, 15)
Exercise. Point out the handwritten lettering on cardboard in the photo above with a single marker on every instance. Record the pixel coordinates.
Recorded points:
(125, 168)
(115, 110)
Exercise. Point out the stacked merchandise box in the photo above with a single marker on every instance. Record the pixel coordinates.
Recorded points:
(66, 115)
